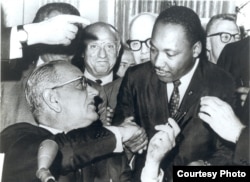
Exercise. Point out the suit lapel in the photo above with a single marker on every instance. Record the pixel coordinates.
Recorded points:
(159, 92)
(194, 90)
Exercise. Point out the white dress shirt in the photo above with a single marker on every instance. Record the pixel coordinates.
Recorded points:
(16, 50)
(105, 79)
(185, 81)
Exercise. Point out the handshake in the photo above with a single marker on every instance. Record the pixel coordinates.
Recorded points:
(135, 139)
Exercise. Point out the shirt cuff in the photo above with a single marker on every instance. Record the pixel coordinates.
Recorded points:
(115, 130)
(16, 50)
(146, 176)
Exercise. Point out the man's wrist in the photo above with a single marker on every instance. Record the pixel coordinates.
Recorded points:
(238, 133)
(34, 36)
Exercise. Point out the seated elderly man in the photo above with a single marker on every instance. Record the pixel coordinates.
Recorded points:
(63, 105)
(18, 70)
(221, 30)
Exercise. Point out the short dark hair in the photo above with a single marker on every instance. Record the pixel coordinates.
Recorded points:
(189, 20)
(63, 8)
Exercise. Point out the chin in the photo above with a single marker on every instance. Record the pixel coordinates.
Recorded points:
(164, 79)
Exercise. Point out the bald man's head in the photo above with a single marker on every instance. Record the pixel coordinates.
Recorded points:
(141, 29)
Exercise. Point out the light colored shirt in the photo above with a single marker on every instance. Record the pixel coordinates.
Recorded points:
(113, 129)
(105, 79)
(185, 81)
(16, 50)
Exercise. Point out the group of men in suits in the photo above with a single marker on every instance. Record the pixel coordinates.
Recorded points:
(177, 53)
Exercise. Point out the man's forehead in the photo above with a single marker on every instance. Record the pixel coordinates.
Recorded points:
(223, 25)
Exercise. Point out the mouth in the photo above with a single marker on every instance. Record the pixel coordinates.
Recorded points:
(92, 105)
(161, 72)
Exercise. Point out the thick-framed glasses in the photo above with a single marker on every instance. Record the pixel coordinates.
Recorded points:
(82, 79)
(136, 45)
(109, 47)
(226, 37)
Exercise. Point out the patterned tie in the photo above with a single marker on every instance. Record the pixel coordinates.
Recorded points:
(174, 99)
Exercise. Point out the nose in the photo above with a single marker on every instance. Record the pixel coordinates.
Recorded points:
(144, 49)
(102, 52)
(160, 60)
(92, 91)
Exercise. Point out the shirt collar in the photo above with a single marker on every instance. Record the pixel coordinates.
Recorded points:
(187, 78)
(52, 130)
(105, 79)
(40, 61)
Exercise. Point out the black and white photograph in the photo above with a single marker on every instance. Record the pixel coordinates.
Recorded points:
(125, 90)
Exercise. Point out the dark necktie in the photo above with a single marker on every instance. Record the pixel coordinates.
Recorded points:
(174, 99)
(99, 81)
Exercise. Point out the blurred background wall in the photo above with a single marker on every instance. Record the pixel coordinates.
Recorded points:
(116, 12)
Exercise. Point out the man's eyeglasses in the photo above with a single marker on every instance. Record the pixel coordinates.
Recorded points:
(109, 47)
(82, 79)
(226, 37)
(136, 45)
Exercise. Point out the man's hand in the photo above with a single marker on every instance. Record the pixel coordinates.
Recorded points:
(134, 137)
(60, 29)
(109, 115)
(243, 91)
(163, 141)
(221, 118)
(160, 144)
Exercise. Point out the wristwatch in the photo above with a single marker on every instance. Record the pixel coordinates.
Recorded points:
(22, 35)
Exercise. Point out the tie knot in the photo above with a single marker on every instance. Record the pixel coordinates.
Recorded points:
(177, 83)
(99, 81)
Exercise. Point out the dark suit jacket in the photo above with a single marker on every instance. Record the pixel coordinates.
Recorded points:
(107, 96)
(144, 96)
(77, 149)
(235, 58)
(5, 42)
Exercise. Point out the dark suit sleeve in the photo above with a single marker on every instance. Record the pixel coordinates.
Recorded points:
(80, 147)
(125, 101)
(242, 153)
(77, 149)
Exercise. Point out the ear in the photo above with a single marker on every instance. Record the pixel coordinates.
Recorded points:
(197, 47)
(50, 98)
(119, 49)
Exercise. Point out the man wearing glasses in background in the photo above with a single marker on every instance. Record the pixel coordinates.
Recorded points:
(140, 31)
(221, 30)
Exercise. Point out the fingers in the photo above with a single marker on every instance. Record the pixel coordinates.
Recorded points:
(138, 141)
(76, 19)
(171, 127)
(175, 126)
(243, 90)
(206, 118)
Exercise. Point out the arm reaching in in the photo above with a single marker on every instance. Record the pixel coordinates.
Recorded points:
(160, 144)
(60, 29)
(221, 118)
